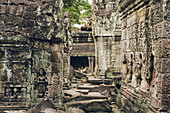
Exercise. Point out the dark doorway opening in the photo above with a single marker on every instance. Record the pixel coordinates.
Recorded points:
(78, 62)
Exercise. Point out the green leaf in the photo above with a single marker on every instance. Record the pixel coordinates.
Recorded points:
(74, 7)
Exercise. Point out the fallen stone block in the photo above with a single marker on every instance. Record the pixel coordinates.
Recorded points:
(70, 93)
(99, 80)
(49, 110)
(94, 105)
(42, 106)
(92, 95)
(79, 74)
(74, 110)
(20, 111)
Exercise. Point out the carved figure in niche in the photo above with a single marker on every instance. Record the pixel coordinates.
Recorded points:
(42, 83)
(130, 73)
(138, 71)
(2, 54)
(125, 62)
(150, 74)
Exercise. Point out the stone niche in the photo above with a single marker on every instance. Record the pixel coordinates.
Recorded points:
(31, 35)
(145, 56)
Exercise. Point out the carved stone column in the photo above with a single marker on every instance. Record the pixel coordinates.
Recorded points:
(91, 64)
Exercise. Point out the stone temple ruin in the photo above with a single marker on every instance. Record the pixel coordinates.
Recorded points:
(140, 52)
(123, 50)
(32, 49)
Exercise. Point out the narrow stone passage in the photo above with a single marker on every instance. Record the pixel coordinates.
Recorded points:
(120, 57)
(91, 94)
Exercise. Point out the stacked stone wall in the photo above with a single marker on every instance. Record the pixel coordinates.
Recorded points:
(145, 55)
(107, 33)
(31, 52)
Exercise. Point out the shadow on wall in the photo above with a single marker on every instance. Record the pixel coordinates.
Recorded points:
(79, 62)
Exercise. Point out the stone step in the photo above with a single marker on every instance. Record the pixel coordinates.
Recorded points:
(86, 86)
(73, 85)
(42, 106)
(96, 95)
(71, 93)
(89, 96)
(15, 111)
(93, 80)
(115, 108)
(94, 105)
(83, 91)
(80, 75)
(101, 88)
(86, 101)
(5, 108)
(21, 104)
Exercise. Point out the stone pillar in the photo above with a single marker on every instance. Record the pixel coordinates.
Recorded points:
(91, 63)
(1, 83)
(57, 73)
(68, 41)
(105, 28)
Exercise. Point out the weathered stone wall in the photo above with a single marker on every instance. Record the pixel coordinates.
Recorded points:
(84, 47)
(107, 33)
(31, 49)
(145, 55)
(68, 42)
(83, 44)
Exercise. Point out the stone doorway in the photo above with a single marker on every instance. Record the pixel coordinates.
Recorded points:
(82, 62)
(79, 62)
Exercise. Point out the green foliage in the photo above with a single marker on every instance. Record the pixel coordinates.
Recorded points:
(74, 7)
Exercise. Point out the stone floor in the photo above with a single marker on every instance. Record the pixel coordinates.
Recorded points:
(91, 94)
(85, 94)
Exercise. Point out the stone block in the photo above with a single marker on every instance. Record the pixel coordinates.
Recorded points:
(165, 29)
(132, 45)
(20, 9)
(13, 2)
(160, 98)
(31, 3)
(27, 23)
(163, 101)
(163, 48)
(162, 30)
(31, 8)
(21, 1)
(74, 110)
(12, 9)
(4, 1)
(162, 65)
(163, 83)
(42, 106)
(47, 1)
(3, 8)
(29, 15)
(165, 65)
(155, 103)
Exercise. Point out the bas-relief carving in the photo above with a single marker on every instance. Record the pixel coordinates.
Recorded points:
(148, 33)
(41, 83)
(142, 30)
(160, 92)
(27, 48)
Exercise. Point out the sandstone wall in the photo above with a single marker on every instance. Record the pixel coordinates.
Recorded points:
(83, 48)
(107, 33)
(31, 51)
(83, 44)
(145, 55)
